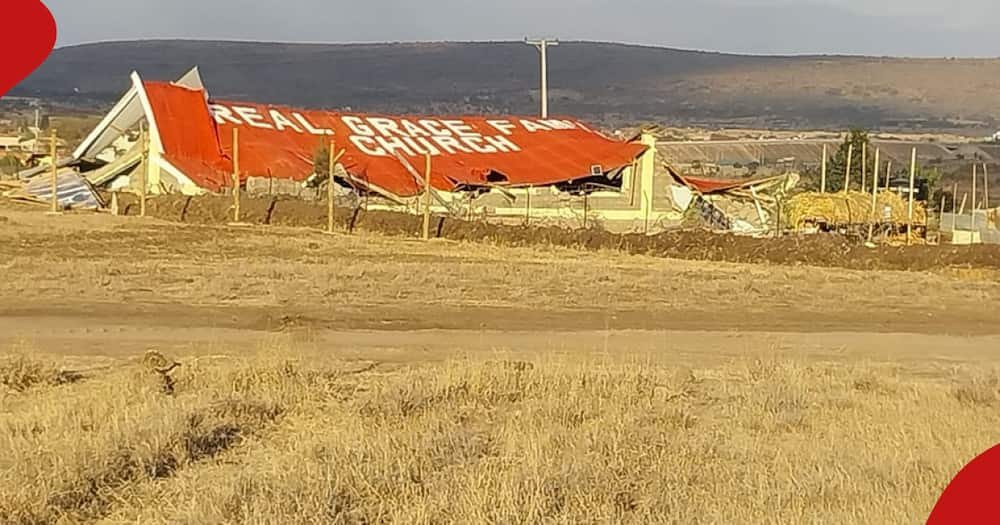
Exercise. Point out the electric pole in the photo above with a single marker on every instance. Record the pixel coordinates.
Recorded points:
(543, 47)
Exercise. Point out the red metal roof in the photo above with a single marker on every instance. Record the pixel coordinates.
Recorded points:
(281, 142)
(188, 135)
(709, 186)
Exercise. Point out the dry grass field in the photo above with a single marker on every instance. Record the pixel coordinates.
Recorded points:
(370, 379)
(277, 436)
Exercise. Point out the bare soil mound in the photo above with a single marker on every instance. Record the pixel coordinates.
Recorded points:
(814, 250)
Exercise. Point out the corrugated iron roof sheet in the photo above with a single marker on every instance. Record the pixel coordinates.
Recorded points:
(72, 191)
(281, 142)
(43, 169)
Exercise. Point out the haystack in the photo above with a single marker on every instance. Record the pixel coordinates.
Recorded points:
(850, 208)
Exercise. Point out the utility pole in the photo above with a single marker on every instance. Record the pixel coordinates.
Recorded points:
(543, 47)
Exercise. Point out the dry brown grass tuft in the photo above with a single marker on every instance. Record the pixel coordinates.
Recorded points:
(73, 456)
(981, 389)
(285, 437)
(19, 373)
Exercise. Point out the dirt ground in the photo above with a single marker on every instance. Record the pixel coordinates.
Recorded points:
(370, 378)
(96, 284)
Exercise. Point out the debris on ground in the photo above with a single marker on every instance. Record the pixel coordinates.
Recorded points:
(72, 191)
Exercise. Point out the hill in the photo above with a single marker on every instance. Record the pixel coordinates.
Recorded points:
(608, 83)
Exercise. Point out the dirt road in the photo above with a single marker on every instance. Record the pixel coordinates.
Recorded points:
(106, 286)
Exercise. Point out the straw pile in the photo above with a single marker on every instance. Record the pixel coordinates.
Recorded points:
(850, 208)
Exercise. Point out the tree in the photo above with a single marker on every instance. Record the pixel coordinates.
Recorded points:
(811, 179)
(931, 179)
(838, 163)
(949, 199)
(321, 160)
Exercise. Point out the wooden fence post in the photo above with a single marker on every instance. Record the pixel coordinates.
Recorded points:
(975, 176)
(941, 217)
(427, 196)
(965, 196)
(54, 152)
(888, 174)
(986, 186)
(144, 172)
(645, 218)
(874, 214)
(847, 172)
(329, 187)
(954, 208)
(527, 207)
(634, 181)
(236, 175)
(864, 167)
(332, 159)
(822, 177)
(777, 219)
(909, 209)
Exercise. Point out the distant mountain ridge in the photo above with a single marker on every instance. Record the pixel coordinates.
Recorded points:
(606, 83)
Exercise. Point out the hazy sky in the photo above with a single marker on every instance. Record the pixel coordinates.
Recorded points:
(879, 27)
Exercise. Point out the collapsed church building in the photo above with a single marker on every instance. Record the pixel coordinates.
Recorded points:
(175, 138)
